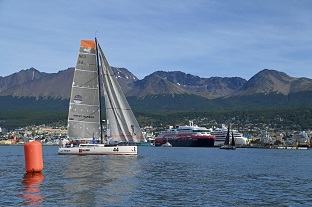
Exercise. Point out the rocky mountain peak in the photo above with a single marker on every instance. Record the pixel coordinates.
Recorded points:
(155, 84)
(267, 81)
(178, 77)
(125, 78)
(21, 77)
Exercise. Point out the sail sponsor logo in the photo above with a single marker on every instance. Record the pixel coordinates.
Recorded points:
(87, 50)
(78, 99)
(84, 150)
(84, 116)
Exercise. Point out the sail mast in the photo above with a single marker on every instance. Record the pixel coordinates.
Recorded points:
(99, 82)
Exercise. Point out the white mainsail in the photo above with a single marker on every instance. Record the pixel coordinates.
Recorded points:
(84, 110)
(122, 125)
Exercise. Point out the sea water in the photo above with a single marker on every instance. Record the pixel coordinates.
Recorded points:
(160, 176)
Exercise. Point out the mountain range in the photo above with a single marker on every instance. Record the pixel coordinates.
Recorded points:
(33, 83)
(162, 91)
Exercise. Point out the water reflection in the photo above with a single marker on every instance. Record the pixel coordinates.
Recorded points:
(97, 179)
(31, 193)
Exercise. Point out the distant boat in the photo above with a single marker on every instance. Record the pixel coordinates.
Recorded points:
(167, 144)
(146, 144)
(92, 78)
(294, 147)
(227, 144)
(220, 134)
(186, 136)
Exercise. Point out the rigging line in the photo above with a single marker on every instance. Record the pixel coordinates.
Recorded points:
(85, 83)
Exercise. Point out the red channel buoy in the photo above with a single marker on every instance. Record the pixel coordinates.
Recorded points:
(33, 157)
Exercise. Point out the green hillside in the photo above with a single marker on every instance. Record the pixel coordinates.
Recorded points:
(164, 110)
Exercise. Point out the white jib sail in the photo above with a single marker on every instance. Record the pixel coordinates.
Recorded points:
(122, 124)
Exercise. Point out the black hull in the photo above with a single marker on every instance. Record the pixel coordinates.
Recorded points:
(187, 142)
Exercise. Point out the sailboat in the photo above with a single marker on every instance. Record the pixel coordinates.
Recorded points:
(227, 144)
(93, 78)
(167, 144)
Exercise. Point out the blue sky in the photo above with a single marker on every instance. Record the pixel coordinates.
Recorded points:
(224, 38)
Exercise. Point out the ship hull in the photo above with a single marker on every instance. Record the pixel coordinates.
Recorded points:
(228, 147)
(98, 150)
(192, 142)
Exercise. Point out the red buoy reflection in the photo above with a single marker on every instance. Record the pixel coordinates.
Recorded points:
(31, 193)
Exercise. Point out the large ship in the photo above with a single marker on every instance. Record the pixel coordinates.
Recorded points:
(186, 136)
(220, 134)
